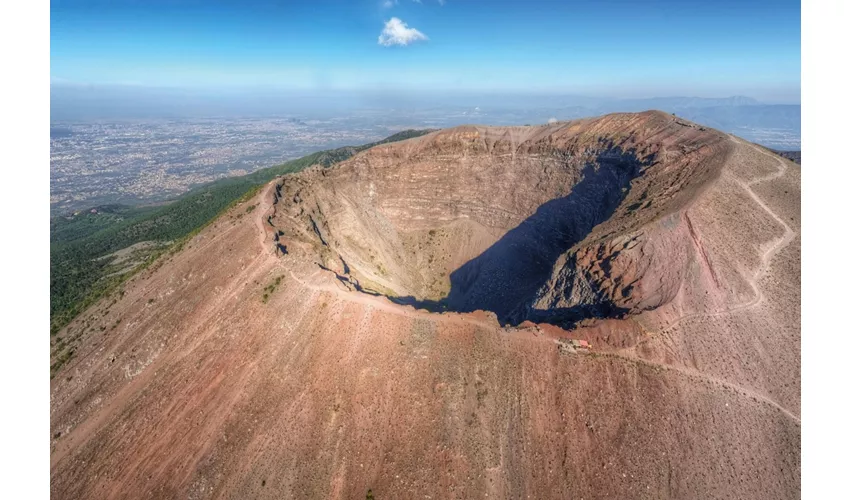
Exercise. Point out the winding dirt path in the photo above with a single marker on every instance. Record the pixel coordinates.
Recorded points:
(777, 245)
(384, 304)
(705, 378)
(766, 258)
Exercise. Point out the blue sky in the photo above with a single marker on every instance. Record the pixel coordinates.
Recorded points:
(611, 48)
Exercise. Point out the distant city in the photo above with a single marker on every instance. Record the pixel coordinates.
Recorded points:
(140, 160)
(153, 161)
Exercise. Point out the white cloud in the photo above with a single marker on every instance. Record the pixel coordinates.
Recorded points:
(390, 3)
(396, 32)
(553, 121)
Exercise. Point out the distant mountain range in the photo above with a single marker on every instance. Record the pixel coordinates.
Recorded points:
(687, 102)
(773, 125)
(791, 155)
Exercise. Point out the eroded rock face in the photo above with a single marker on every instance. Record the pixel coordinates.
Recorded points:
(617, 277)
(554, 224)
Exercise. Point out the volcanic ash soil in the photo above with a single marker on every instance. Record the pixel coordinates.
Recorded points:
(603, 308)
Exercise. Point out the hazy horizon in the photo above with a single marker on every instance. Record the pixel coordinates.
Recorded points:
(69, 102)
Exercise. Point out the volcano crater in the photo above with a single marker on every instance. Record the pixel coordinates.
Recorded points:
(547, 224)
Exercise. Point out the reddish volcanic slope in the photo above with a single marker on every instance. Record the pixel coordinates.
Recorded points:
(407, 322)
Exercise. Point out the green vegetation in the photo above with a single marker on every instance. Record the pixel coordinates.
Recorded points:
(267, 291)
(71, 228)
(80, 274)
(61, 359)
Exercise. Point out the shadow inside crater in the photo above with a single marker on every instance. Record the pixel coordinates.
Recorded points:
(506, 278)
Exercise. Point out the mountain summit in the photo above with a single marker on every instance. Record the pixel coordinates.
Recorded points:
(605, 307)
